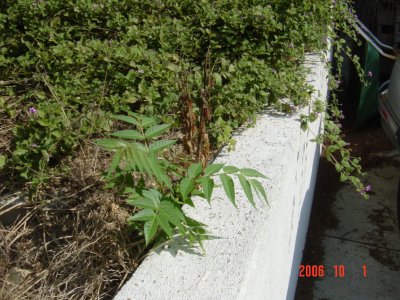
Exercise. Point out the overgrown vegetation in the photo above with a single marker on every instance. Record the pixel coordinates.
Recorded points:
(66, 67)
(66, 64)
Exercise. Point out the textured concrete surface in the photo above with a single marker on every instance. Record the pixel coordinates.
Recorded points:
(367, 234)
(254, 251)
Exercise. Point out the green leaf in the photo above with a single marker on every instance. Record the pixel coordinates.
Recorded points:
(115, 161)
(196, 224)
(230, 169)
(127, 119)
(194, 170)
(313, 116)
(158, 170)
(218, 79)
(257, 186)
(160, 145)
(304, 125)
(251, 173)
(142, 203)
(208, 185)
(153, 195)
(319, 106)
(2, 161)
(150, 199)
(143, 215)
(197, 192)
(343, 177)
(246, 188)
(174, 68)
(172, 213)
(110, 144)
(150, 229)
(156, 131)
(229, 187)
(164, 224)
(128, 134)
(136, 159)
(212, 169)
(56, 21)
(338, 167)
(139, 146)
(19, 151)
(186, 186)
(146, 121)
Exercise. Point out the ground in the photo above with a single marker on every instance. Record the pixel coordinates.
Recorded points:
(361, 235)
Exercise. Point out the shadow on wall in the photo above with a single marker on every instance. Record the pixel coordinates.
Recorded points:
(303, 227)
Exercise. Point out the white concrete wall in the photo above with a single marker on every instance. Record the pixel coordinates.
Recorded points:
(256, 252)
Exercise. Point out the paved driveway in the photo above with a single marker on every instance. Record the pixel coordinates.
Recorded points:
(358, 242)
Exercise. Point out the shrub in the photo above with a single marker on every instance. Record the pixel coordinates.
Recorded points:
(76, 61)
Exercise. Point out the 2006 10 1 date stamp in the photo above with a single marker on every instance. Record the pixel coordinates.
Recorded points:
(321, 270)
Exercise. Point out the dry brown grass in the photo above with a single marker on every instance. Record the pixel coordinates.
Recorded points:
(73, 241)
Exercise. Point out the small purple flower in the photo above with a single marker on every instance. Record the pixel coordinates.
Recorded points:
(290, 45)
(366, 190)
(140, 71)
(32, 110)
(369, 74)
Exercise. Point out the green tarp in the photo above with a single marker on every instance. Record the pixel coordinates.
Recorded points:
(368, 104)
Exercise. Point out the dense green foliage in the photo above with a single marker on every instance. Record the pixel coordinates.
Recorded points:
(65, 64)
